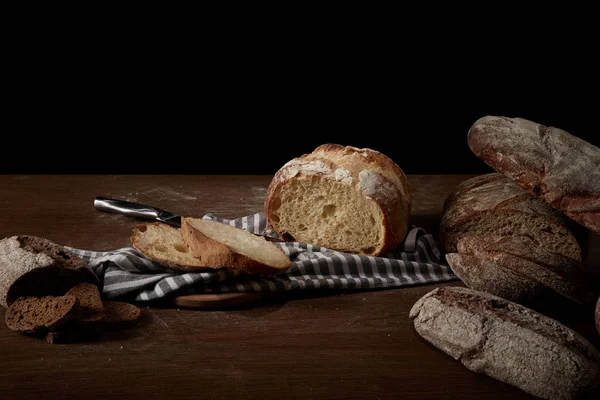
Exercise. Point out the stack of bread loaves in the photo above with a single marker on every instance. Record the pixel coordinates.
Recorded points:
(512, 238)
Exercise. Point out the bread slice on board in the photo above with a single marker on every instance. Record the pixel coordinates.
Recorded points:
(342, 198)
(493, 205)
(508, 342)
(222, 245)
(33, 266)
(164, 244)
(39, 315)
(553, 165)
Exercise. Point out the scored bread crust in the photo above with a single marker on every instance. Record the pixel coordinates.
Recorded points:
(508, 342)
(553, 165)
(217, 255)
(370, 172)
(496, 194)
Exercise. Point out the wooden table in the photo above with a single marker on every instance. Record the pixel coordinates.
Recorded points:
(347, 345)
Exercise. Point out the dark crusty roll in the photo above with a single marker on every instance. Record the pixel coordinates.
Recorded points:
(553, 165)
(598, 316)
(508, 342)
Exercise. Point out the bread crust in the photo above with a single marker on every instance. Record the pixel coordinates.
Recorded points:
(513, 268)
(508, 342)
(495, 193)
(553, 165)
(33, 266)
(372, 173)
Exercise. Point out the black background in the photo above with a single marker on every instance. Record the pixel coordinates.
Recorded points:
(164, 114)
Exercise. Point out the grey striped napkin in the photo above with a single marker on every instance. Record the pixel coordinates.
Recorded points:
(126, 273)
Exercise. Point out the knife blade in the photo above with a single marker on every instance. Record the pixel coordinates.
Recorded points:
(136, 210)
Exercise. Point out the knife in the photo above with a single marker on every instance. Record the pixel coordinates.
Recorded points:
(136, 210)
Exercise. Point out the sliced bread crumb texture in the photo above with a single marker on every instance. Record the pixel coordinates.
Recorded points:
(120, 315)
(89, 308)
(40, 315)
(343, 198)
(164, 244)
(221, 245)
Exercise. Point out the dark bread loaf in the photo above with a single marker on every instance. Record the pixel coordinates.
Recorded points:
(32, 266)
(551, 164)
(34, 315)
(508, 342)
(494, 205)
(517, 269)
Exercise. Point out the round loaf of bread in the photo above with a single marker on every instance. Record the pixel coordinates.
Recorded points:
(342, 198)
(33, 266)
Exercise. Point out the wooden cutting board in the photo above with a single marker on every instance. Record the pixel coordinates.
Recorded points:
(218, 301)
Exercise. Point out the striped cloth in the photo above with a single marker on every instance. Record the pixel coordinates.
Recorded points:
(127, 274)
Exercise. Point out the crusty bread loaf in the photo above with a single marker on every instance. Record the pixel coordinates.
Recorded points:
(508, 342)
(493, 205)
(35, 315)
(220, 245)
(517, 269)
(164, 244)
(343, 198)
(551, 164)
(32, 266)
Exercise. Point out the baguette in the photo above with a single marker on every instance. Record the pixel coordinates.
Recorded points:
(553, 165)
(508, 342)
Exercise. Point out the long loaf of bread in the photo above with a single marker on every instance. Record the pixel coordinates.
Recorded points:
(508, 342)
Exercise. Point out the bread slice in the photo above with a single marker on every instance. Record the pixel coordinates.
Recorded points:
(221, 245)
(89, 308)
(33, 266)
(508, 342)
(39, 315)
(493, 205)
(164, 244)
(343, 198)
(119, 315)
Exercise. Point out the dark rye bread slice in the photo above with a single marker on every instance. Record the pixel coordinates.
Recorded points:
(119, 315)
(553, 165)
(89, 309)
(33, 266)
(508, 342)
(33, 315)
(494, 205)
(516, 269)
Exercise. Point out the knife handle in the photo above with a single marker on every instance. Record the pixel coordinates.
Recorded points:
(127, 208)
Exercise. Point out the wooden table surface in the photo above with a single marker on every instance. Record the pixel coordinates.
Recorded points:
(343, 345)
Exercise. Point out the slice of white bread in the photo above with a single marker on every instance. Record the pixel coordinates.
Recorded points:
(221, 245)
(164, 244)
